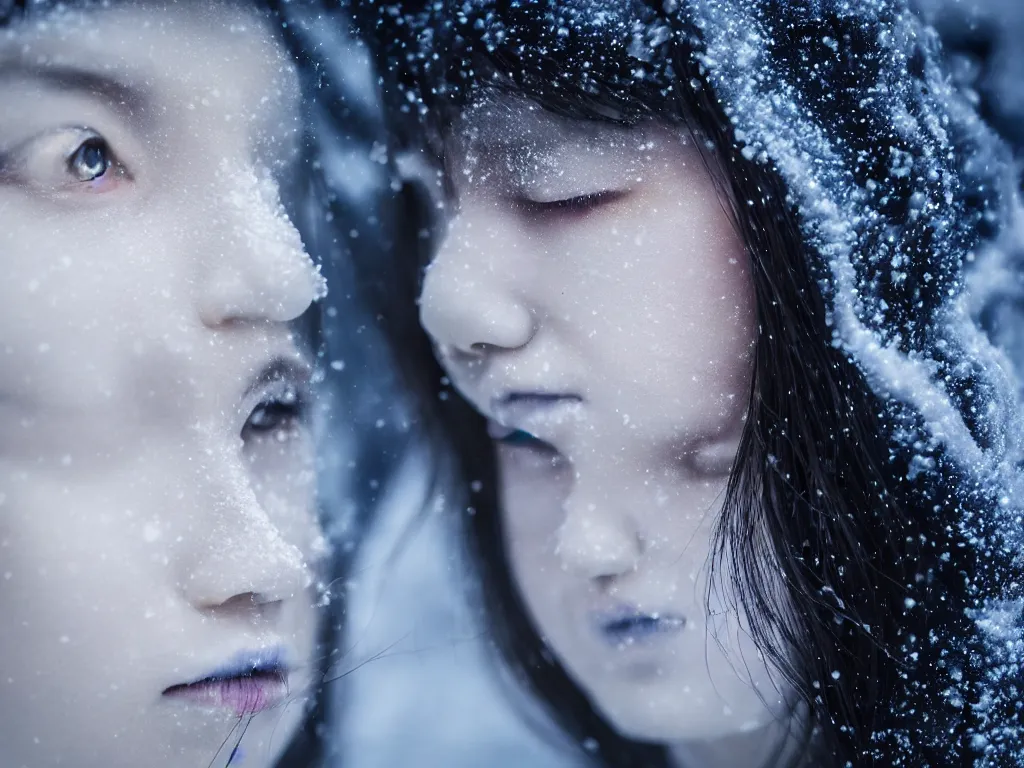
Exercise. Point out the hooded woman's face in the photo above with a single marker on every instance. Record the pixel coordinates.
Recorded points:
(157, 519)
(593, 300)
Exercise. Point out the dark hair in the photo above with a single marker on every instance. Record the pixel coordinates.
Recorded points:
(341, 224)
(879, 529)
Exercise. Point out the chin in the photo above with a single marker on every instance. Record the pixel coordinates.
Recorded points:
(665, 713)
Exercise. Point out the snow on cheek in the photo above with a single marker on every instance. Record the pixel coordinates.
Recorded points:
(279, 260)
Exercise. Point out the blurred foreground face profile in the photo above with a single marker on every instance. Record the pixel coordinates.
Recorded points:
(158, 532)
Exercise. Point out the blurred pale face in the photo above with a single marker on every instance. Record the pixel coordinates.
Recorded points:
(593, 300)
(157, 526)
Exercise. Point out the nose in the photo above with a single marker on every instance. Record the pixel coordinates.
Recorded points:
(247, 606)
(234, 560)
(597, 540)
(472, 298)
(254, 266)
(240, 568)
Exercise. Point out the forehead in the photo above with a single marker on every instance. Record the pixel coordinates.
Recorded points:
(507, 138)
(223, 50)
(502, 121)
(507, 141)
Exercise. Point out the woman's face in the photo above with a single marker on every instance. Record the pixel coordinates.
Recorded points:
(157, 525)
(593, 300)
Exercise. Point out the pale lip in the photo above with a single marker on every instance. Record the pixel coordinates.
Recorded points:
(250, 682)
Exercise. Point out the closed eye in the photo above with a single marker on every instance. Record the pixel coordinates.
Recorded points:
(572, 206)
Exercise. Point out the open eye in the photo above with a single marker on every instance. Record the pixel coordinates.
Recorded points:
(63, 160)
(278, 414)
(91, 160)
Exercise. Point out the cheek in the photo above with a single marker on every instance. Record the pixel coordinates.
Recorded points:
(705, 298)
(531, 516)
(678, 526)
(66, 547)
(660, 289)
(676, 333)
(76, 284)
(534, 487)
(532, 495)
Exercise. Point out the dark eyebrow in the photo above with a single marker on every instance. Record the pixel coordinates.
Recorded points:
(124, 98)
(293, 369)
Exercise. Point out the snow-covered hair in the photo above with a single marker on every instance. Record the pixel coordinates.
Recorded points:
(874, 486)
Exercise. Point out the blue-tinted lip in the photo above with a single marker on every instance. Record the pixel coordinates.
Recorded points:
(629, 625)
(248, 663)
(537, 398)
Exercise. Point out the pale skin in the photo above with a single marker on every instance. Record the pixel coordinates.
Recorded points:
(157, 511)
(593, 300)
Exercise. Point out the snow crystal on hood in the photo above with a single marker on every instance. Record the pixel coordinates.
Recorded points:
(875, 262)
